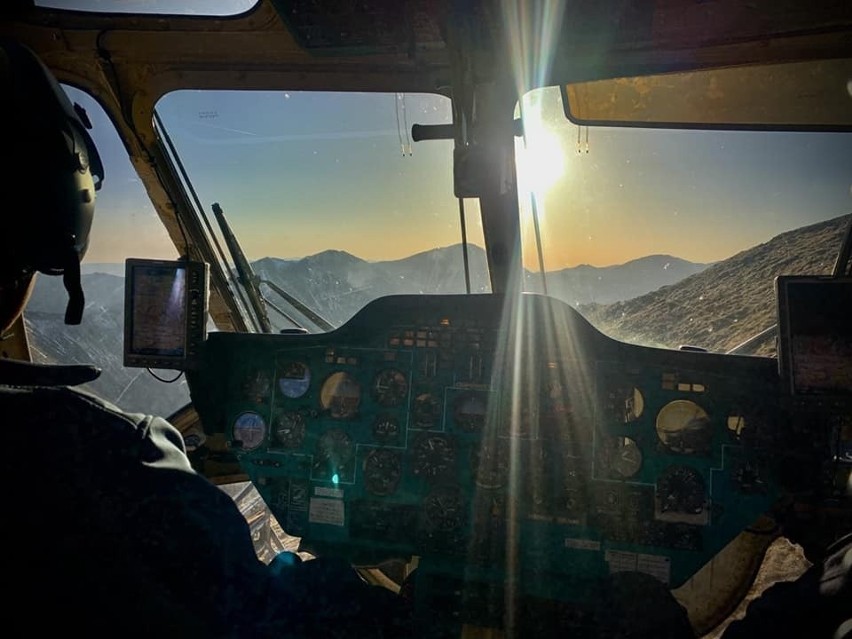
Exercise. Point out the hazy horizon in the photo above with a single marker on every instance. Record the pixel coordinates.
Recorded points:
(88, 265)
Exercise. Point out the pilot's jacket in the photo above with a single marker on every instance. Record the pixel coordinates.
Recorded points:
(110, 529)
(110, 532)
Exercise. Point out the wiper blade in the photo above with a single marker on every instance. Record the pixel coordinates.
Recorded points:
(244, 271)
(754, 341)
(305, 310)
(221, 274)
(252, 282)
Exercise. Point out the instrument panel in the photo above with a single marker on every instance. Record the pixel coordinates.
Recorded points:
(496, 439)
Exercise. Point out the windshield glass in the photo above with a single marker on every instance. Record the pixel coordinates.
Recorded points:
(674, 237)
(327, 195)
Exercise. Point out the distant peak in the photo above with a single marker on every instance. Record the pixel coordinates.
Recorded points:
(332, 254)
(437, 252)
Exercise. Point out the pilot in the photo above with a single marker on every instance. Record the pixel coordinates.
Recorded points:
(108, 530)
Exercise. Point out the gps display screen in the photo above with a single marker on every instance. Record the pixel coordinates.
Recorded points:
(158, 316)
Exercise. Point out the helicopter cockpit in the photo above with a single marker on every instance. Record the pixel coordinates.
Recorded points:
(490, 300)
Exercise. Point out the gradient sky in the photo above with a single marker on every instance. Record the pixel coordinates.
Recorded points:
(298, 173)
(702, 196)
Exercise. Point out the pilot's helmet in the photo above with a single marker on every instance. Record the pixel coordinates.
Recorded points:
(53, 172)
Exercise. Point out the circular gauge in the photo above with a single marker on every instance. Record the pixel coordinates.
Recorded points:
(290, 429)
(426, 411)
(469, 412)
(625, 457)
(625, 404)
(433, 456)
(382, 470)
(334, 453)
(294, 378)
(386, 429)
(257, 386)
(390, 388)
(684, 427)
(340, 395)
(680, 489)
(736, 424)
(490, 464)
(249, 430)
(443, 509)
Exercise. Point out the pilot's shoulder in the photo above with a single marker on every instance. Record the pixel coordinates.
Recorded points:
(63, 418)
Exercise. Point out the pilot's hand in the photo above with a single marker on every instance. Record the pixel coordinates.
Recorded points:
(638, 606)
(325, 597)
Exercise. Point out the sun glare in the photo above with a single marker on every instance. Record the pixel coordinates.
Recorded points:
(541, 162)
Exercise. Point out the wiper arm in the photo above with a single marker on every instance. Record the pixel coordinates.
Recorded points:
(244, 271)
(222, 276)
(308, 312)
(252, 282)
(754, 341)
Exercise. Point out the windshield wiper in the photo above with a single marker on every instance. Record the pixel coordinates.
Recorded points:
(244, 271)
(308, 312)
(220, 272)
(754, 341)
(251, 283)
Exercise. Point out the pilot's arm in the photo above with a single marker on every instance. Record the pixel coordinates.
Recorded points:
(818, 604)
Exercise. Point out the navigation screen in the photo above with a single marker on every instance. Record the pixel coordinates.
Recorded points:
(158, 311)
(815, 316)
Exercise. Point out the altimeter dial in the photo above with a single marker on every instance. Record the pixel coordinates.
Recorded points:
(382, 470)
(390, 388)
(469, 412)
(443, 509)
(290, 429)
(334, 453)
(386, 429)
(433, 456)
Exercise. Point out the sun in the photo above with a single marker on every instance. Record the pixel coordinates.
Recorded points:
(540, 161)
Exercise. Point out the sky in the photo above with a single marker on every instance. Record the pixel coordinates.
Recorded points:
(702, 196)
(298, 173)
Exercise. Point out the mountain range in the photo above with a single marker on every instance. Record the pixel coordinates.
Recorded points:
(725, 304)
(657, 300)
(338, 284)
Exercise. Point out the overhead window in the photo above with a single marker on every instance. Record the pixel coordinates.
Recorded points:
(156, 7)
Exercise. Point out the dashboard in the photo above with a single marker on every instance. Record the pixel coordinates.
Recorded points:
(496, 439)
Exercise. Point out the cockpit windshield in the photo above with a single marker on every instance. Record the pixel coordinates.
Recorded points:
(327, 195)
(645, 231)
(672, 237)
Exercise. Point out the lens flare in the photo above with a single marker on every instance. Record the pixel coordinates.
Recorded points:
(540, 162)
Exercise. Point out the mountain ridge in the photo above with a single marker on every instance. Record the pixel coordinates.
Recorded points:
(654, 296)
(726, 303)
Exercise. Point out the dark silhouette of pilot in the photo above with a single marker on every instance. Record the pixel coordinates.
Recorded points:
(108, 529)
